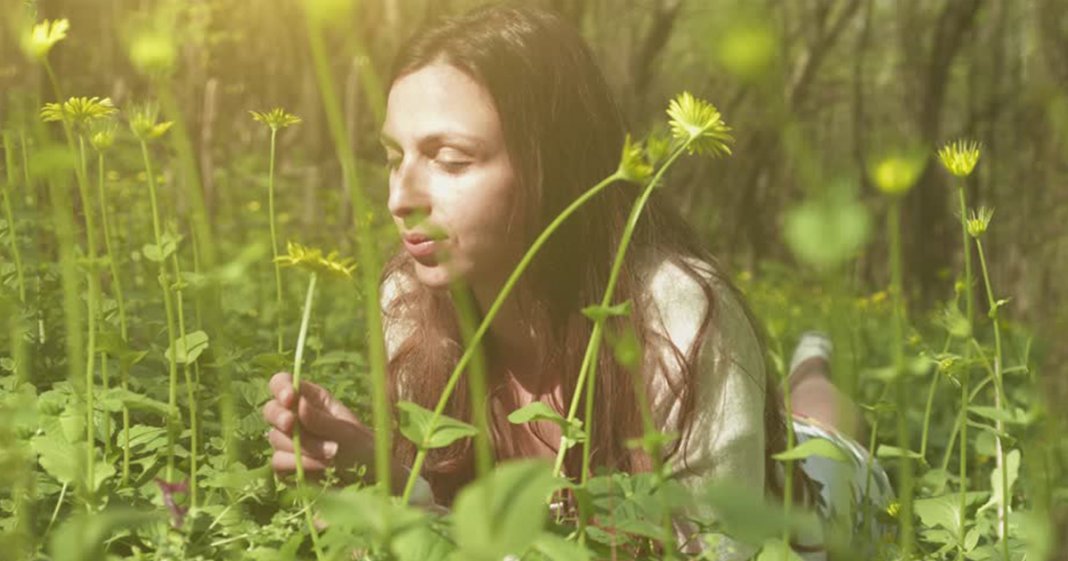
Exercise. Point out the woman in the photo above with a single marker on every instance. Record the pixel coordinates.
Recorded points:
(496, 121)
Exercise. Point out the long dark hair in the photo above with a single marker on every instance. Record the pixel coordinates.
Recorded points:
(564, 133)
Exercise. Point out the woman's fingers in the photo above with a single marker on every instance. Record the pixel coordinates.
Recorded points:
(286, 462)
(323, 451)
(281, 386)
(278, 416)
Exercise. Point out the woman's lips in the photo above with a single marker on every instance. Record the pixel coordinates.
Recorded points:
(425, 251)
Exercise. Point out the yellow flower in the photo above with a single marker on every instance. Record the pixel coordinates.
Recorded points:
(313, 260)
(893, 509)
(144, 125)
(276, 118)
(897, 173)
(960, 157)
(40, 40)
(700, 123)
(978, 221)
(79, 112)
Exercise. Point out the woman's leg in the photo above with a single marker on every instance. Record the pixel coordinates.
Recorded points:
(812, 394)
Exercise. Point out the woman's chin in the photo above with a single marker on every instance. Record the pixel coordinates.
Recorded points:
(433, 276)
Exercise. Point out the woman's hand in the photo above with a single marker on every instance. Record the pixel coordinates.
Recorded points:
(330, 434)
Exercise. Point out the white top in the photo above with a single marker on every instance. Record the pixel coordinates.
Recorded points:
(726, 441)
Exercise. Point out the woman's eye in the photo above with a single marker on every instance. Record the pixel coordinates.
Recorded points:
(393, 162)
(453, 166)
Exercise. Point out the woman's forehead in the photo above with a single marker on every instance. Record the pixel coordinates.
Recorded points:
(442, 102)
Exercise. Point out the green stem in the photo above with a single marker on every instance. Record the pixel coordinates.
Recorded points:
(190, 388)
(12, 237)
(92, 300)
(367, 253)
(509, 284)
(1000, 401)
(168, 306)
(965, 374)
(589, 361)
(905, 468)
(476, 379)
(274, 245)
(309, 517)
(927, 414)
(120, 301)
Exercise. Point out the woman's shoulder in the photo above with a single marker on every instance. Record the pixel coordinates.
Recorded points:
(679, 291)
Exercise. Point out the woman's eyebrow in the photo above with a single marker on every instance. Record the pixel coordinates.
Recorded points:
(436, 138)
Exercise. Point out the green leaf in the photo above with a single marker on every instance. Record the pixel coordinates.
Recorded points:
(943, 511)
(813, 447)
(749, 517)
(601, 313)
(114, 399)
(1012, 461)
(414, 424)
(536, 411)
(59, 458)
(504, 512)
(82, 537)
(189, 347)
(1016, 417)
(367, 511)
(776, 550)
(555, 548)
(159, 253)
(886, 452)
(422, 543)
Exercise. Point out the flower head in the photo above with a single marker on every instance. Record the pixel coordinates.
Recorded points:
(144, 123)
(960, 157)
(79, 112)
(698, 122)
(895, 174)
(43, 36)
(313, 260)
(978, 221)
(276, 118)
(632, 164)
(103, 138)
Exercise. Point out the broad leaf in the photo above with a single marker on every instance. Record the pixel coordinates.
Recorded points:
(414, 424)
(114, 399)
(188, 347)
(813, 447)
(503, 513)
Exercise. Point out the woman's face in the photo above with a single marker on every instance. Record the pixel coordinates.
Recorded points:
(450, 177)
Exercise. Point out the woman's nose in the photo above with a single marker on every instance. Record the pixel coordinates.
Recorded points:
(407, 195)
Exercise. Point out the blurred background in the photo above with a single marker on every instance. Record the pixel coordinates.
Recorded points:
(818, 93)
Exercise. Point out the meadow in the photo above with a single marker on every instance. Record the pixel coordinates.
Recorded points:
(171, 237)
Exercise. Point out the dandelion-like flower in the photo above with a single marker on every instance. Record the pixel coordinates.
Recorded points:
(43, 36)
(896, 174)
(103, 138)
(700, 123)
(79, 112)
(632, 164)
(978, 221)
(960, 157)
(276, 118)
(144, 122)
(313, 260)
